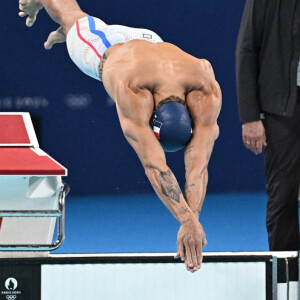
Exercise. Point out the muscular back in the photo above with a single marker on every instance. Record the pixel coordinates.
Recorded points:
(160, 70)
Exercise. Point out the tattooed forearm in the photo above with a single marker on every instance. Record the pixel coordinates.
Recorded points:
(187, 188)
(188, 150)
(204, 185)
(211, 150)
(169, 207)
(168, 190)
(195, 193)
(169, 186)
(188, 158)
(101, 65)
(184, 210)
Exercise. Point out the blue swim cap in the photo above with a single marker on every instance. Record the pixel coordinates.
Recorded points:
(172, 126)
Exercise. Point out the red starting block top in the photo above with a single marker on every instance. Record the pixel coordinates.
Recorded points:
(19, 152)
(16, 129)
(28, 161)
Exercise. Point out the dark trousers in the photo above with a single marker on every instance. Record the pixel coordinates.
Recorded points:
(282, 167)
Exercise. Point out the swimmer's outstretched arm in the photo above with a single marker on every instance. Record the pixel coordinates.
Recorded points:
(204, 107)
(135, 110)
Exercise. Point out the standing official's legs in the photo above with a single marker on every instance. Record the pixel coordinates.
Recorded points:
(282, 165)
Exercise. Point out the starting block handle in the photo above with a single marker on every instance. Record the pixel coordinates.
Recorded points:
(30, 213)
(60, 214)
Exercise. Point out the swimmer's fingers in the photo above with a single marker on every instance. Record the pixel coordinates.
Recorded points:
(55, 37)
(199, 255)
(180, 250)
(190, 256)
(195, 258)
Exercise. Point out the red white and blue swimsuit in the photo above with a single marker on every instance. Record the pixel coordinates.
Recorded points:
(90, 37)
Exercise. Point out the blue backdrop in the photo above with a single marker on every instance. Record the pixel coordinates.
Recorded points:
(78, 122)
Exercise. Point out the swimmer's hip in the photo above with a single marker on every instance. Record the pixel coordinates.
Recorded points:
(90, 37)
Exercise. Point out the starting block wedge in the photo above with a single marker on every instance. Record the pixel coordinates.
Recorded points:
(32, 196)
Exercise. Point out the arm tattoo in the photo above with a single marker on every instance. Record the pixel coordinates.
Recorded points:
(169, 207)
(188, 158)
(101, 65)
(184, 210)
(169, 186)
(187, 188)
(188, 150)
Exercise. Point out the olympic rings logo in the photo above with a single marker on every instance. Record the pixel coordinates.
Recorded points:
(11, 297)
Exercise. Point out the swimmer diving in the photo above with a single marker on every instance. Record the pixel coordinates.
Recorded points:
(165, 98)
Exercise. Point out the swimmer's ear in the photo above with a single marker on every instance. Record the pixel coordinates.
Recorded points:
(55, 37)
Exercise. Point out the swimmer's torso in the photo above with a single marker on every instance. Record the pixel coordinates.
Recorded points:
(162, 69)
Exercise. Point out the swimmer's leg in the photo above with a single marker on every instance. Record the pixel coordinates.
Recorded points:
(63, 12)
(86, 41)
(55, 37)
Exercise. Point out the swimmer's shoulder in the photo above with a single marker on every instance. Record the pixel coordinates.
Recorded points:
(206, 80)
(207, 71)
(205, 66)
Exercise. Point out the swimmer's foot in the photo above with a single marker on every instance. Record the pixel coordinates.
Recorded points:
(55, 37)
(29, 8)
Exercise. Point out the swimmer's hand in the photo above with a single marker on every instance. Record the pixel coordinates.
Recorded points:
(29, 8)
(190, 241)
(55, 37)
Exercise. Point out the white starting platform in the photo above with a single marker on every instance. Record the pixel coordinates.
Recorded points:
(32, 191)
(151, 276)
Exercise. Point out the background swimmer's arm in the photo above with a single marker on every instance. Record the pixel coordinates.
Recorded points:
(204, 108)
